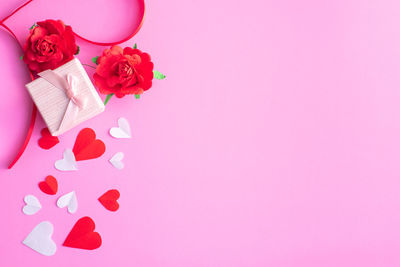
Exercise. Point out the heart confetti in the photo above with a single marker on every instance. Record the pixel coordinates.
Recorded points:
(68, 163)
(123, 130)
(40, 239)
(116, 160)
(83, 235)
(49, 185)
(47, 141)
(32, 205)
(87, 146)
(68, 200)
(109, 200)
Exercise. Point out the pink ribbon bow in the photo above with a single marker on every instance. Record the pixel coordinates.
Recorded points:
(70, 91)
(69, 86)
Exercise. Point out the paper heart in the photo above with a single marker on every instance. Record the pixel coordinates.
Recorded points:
(40, 239)
(68, 200)
(116, 160)
(47, 141)
(83, 236)
(49, 185)
(32, 205)
(123, 130)
(87, 146)
(68, 163)
(109, 200)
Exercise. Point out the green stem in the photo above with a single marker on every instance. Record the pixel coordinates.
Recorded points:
(107, 99)
(89, 66)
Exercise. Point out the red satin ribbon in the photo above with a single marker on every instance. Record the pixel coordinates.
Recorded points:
(34, 109)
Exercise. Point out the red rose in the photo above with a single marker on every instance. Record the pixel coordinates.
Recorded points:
(50, 44)
(123, 71)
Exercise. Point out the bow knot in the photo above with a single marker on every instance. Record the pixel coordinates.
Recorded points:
(70, 91)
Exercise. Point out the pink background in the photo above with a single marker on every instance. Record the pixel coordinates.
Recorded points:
(274, 140)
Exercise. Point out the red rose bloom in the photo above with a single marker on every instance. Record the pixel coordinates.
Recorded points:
(123, 71)
(50, 44)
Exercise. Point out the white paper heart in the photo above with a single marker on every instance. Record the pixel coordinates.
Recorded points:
(116, 160)
(32, 205)
(123, 130)
(68, 163)
(68, 200)
(40, 239)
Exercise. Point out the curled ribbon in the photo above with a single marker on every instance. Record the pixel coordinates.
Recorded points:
(69, 86)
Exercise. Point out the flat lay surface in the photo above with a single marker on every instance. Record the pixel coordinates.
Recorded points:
(273, 141)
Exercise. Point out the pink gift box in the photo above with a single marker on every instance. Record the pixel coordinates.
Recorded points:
(52, 102)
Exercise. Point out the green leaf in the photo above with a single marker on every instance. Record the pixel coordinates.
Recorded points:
(78, 50)
(135, 46)
(107, 99)
(137, 96)
(33, 26)
(21, 57)
(94, 60)
(158, 75)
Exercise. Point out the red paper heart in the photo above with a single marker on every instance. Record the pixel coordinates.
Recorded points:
(83, 236)
(109, 200)
(47, 141)
(87, 146)
(49, 185)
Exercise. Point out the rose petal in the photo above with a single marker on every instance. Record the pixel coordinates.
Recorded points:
(37, 33)
(113, 81)
(116, 50)
(53, 26)
(145, 57)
